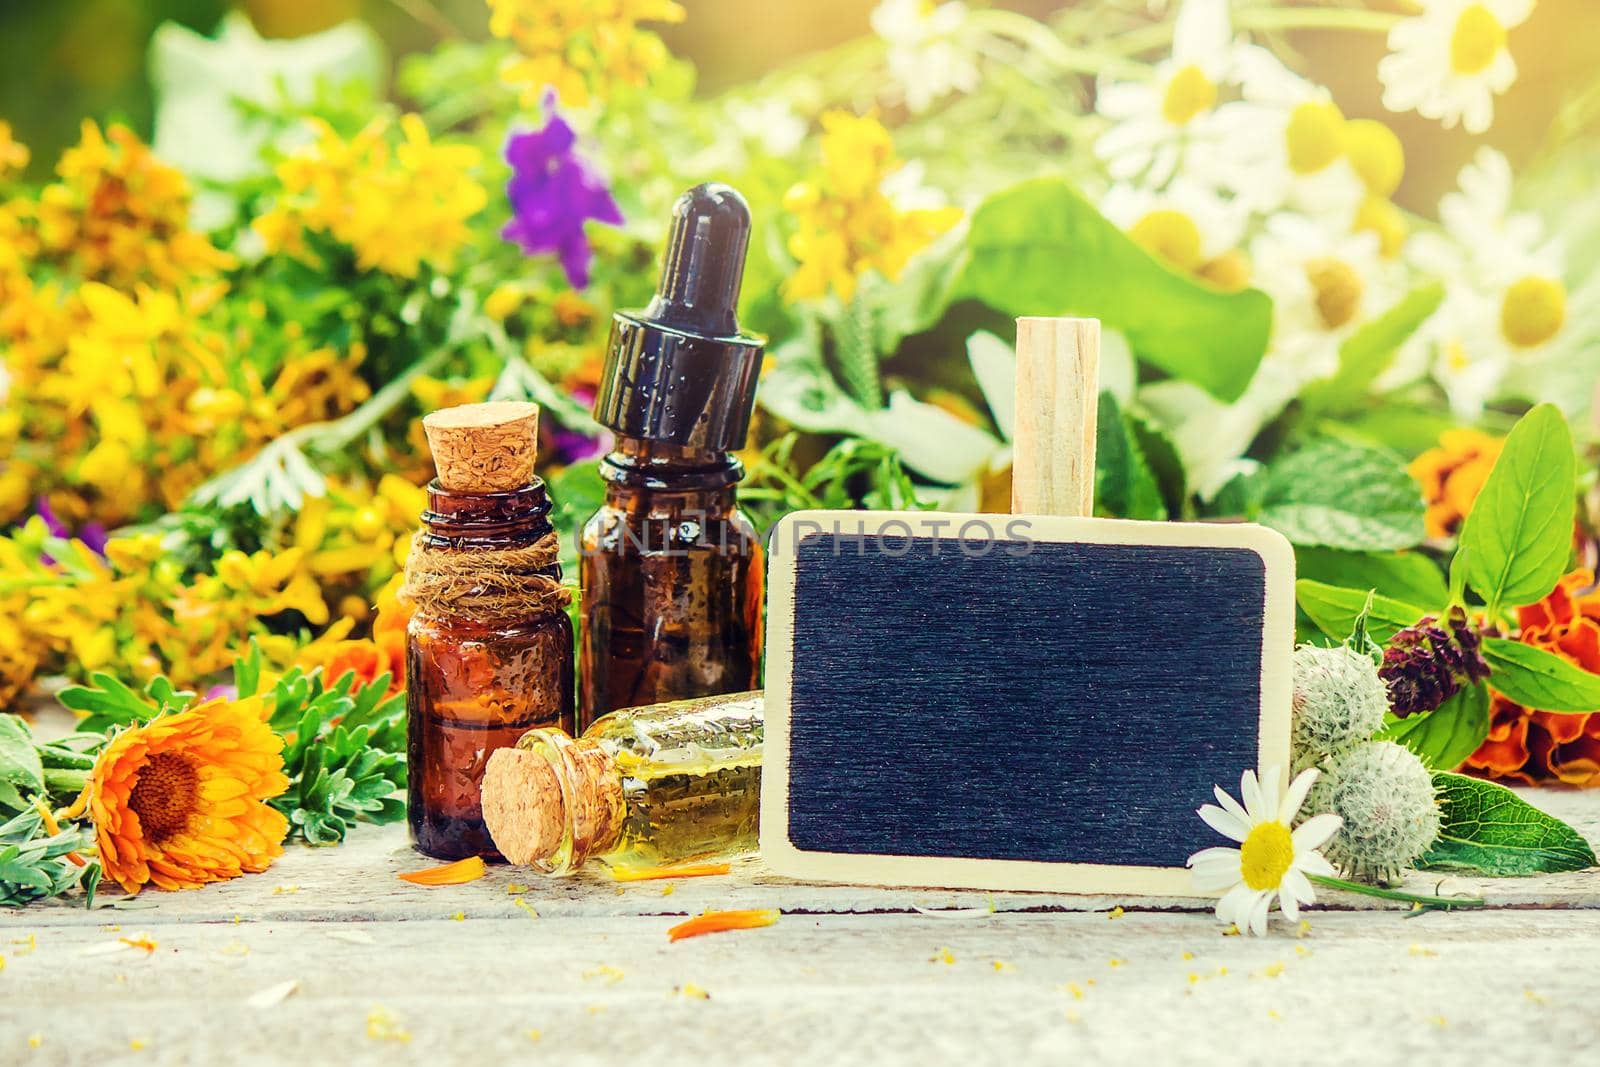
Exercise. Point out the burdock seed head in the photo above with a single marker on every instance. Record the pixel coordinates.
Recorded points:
(1339, 701)
(1391, 815)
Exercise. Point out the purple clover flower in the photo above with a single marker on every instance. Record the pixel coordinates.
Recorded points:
(553, 192)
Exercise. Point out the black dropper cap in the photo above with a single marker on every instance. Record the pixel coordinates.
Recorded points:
(680, 370)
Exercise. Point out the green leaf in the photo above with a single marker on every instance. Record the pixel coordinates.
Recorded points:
(1367, 353)
(1335, 609)
(1450, 733)
(1519, 535)
(20, 767)
(108, 703)
(1489, 829)
(1540, 680)
(1124, 486)
(1039, 248)
(1411, 577)
(1341, 495)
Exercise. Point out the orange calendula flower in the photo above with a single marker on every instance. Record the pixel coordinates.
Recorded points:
(461, 871)
(1534, 746)
(1451, 476)
(714, 922)
(181, 801)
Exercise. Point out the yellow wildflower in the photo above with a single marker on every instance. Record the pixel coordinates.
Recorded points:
(395, 206)
(119, 214)
(847, 224)
(319, 385)
(13, 154)
(579, 48)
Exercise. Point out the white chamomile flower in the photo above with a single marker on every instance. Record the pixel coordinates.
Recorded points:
(1451, 61)
(1189, 227)
(1506, 303)
(1324, 284)
(928, 54)
(1154, 123)
(1284, 145)
(1272, 861)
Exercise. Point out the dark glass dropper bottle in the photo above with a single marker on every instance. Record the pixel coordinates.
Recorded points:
(671, 568)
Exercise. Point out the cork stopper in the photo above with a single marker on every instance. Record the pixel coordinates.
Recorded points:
(522, 805)
(484, 448)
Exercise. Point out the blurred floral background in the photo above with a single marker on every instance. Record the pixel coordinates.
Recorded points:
(1337, 249)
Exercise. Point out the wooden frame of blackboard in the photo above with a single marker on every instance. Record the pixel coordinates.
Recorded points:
(784, 857)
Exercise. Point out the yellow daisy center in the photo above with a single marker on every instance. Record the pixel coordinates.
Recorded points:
(1189, 94)
(1315, 136)
(1379, 216)
(1455, 355)
(1171, 235)
(1376, 154)
(1477, 39)
(165, 795)
(1337, 289)
(1229, 272)
(1533, 311)
(1266, 855)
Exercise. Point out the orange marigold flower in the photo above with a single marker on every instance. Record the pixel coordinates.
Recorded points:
(181, 801)
(461, 871)
(1535, 746)
(1451, 476)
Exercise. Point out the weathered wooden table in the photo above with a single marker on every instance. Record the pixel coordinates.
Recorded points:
(581, 971)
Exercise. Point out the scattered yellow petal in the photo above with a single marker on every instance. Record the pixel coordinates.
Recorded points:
(468, 870)
(1271, 970)
(112, 928)
(1001, 966)
(1439, 1021)
(1075, 989)
(459, 916)
(1222, 972)
(942, 955)
(137, 1044)
(1072, 1015)
(28, 944)
(1117, 961)
(680, 870)
(384, 1025)
(1194, 979)
(35, 1040)
(1188, 955)
(533, 1035)
(1271, 1014)
(595, 1009)
(1115, 913)
(612, 975)
(1303, 929)
(713, 922)
(235, 948)
(1301, 950)
(285, 889)
(2, 962)
(525, 906)
(1535, 997)
(1421, 950)
(1231, 931)
(514, 888)
(237, 919)
(141, 940)
(692, 991)
(668, 889)
(1089, 981)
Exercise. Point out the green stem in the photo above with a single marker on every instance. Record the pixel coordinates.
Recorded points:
(1038, 38)
(1445, 903)
(1271, 19)
(65, 781)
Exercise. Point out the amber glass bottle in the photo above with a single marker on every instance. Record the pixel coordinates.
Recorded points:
(489, 652)
(671, 569)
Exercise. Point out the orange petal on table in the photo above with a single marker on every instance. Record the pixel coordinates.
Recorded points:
(680, 870)
(714, 922)
(468, 870)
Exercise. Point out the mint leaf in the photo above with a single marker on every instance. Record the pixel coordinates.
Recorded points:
(1489, 829)
(1125, 487)
(1540, 680)
(1411, 577)
(1519, 535)
(1450, 733)
(1335, 609)
(21, 772)
(1341, 495)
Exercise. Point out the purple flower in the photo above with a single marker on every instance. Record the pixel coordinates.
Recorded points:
(553, 192)
(93, 535)
(573, 446)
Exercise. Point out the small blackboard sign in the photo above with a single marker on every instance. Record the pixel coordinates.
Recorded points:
(1016, 702)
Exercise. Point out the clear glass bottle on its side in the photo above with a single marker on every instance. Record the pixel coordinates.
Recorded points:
(643, 787)
(671, 569)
